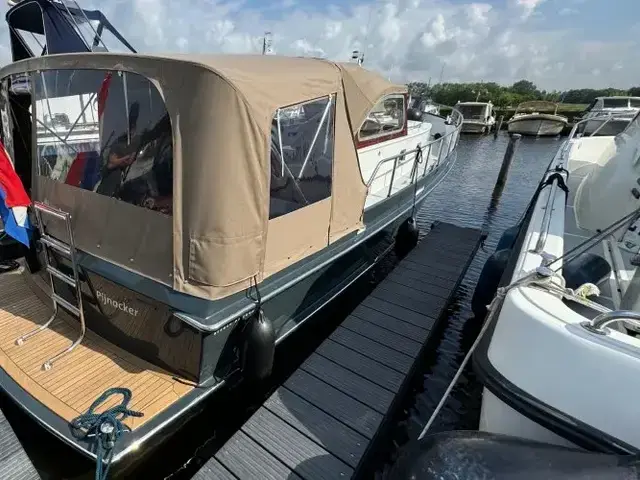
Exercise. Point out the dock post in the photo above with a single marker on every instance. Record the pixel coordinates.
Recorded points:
(504, 169)
(496, 131)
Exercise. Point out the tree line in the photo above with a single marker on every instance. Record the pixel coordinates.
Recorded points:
(509, 96)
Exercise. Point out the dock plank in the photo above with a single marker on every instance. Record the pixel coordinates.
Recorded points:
(374, 350)
(390, 323)
(364, 366)
(326, 419)
(14, 461)
(337, 438)
(422, 320)
(245, 458)
(342, 407)
(346, 381)
(297, 451)
(382, 335)
(214, 470)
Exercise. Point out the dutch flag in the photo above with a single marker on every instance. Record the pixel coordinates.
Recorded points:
(15, 201)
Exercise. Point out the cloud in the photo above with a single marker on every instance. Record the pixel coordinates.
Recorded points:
(406, 40)
(527, 6)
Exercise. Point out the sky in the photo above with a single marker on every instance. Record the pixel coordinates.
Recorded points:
(557, 44)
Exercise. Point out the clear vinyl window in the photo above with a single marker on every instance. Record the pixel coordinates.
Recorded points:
(302, 145)
(386, 117)
(105, 131)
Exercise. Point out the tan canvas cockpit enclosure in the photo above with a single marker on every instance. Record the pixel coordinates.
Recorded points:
(261, 157)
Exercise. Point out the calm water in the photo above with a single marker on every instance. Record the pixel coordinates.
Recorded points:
(464, 198)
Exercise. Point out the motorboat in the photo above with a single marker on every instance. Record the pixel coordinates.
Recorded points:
(173, 251)
(479, 117)
(609, 115)
(424, 106)
(561, 341)
(531, 119)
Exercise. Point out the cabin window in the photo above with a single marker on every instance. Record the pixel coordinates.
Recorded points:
(474, 112)
(302, 144)
(387, 116)
(615, 103)
(634, 102)
(105, 131)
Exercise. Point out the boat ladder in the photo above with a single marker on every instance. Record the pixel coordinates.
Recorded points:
(67, 250)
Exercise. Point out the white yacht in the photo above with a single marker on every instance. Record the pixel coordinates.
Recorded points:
(535, 119)
(561, 348)
(617, 112)
(479, 117)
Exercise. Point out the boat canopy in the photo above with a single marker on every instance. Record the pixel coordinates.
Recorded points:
(264, 164)
(46, 27)
(537, 106)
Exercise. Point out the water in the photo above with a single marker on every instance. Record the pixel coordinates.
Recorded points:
(464, 198)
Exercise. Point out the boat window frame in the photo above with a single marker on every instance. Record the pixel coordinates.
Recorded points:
(388, 135)
(63, 137)
(328, 118)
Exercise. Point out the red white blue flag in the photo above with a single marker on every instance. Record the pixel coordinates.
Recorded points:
(14, 201)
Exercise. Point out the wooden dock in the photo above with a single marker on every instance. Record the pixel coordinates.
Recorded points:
(323, 423)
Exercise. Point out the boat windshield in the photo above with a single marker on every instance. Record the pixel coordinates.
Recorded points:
(473, 112)
(615, 103)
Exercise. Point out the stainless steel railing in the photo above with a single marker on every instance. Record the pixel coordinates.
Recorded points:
(425, 151)
(574, 131)
(599, 323)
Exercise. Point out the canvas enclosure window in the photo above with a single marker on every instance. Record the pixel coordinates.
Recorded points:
(107, 132)
(474, 112)
(387, 116)
(301, 152)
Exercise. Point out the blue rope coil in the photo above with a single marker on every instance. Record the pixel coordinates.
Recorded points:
(106, 427)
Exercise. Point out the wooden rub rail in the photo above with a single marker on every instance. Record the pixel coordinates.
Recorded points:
(323, 422)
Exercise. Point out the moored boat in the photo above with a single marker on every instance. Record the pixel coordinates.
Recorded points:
(216, 203)
(478, 116)
(609, 115)
(530, 119)
(561, 339)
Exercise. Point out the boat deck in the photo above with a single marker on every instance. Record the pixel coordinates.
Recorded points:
(14, 462)
(78, 378)
(324, 422)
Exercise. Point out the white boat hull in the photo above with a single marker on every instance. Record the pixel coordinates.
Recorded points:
(470, 126)
(546, 376)
(538, 127)
(498, 417)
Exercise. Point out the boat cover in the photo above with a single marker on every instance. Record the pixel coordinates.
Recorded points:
(220, 239)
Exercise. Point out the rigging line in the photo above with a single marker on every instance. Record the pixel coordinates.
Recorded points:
(581, 248)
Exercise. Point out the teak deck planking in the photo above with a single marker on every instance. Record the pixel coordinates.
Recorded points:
(79, 377)
(323, 422)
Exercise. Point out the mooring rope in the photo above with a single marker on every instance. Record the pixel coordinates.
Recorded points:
(106, 427)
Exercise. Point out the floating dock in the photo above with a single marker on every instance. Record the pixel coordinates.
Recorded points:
(325, 420)
(14, 462)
